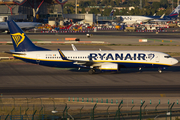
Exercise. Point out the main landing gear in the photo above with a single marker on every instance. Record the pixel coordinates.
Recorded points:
(159, 70)
(92, 71)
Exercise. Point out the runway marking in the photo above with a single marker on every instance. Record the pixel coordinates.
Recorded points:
(22, 64)
(156, 40)
(163, 95)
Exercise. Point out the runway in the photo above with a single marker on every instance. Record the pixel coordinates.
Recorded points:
(19, 78)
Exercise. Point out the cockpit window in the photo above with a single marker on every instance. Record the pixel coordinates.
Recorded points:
(167, 56)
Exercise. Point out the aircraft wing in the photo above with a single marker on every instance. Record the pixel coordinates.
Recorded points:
(80, 62)
(92, 64)
(161, 20)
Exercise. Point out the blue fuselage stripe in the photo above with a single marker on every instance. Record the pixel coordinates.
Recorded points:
(64, 64)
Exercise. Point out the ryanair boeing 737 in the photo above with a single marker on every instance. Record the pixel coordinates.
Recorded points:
(25, 50)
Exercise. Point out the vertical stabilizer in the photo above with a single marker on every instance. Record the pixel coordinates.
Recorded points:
(112, 12)
(20, 41)
(175, 12)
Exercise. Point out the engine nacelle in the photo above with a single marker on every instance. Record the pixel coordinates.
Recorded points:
(139, 21)
(109, 67)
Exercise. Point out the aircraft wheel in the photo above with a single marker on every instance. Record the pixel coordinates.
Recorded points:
(160, 71)
(92, 71)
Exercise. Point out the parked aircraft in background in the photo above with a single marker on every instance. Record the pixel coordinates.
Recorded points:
(111, 13)
(170, 17)
(140, 19)
(22, 25)
(25, 50)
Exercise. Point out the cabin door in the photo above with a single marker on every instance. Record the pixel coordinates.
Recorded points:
(37, 58)
(157, 57)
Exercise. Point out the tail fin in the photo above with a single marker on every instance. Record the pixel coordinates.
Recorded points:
(175, 12)
(20, 41)
(112, 12)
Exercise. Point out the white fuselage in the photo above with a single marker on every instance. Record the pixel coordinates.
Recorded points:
(135, 19)
(23, 25)
(124, 58)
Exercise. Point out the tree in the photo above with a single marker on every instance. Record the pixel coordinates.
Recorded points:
(83, 10)
(168, 10)
(117, 12)
(117, 2)
(112, 3)
(164, 3)
(106, 12)
(124, 12)
(161, 12)
(156, 5)
(85, 4)
(94, 11)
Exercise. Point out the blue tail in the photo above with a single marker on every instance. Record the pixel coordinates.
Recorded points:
(20, 41)
(175, 12)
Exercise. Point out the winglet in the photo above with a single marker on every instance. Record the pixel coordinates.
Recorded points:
(62, 55)
(162, 16)
(73, 47)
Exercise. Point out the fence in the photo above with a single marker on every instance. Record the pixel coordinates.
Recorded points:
(53, 109)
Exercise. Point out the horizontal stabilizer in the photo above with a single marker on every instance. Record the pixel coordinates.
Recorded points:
(15, 53)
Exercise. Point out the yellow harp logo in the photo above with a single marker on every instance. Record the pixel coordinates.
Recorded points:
(18, 38)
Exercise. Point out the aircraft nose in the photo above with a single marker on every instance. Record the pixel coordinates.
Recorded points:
(174, 61)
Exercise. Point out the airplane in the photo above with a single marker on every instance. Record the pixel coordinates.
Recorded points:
(22, 25)
(25, 50)
(140, 19)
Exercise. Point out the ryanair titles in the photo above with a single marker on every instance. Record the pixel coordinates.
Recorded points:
(121, 56)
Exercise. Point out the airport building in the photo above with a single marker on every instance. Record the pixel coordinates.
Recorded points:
(23, 9)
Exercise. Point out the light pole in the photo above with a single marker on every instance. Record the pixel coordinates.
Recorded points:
(172, 5)
(177, 5)
(140, 4)
(75, 6)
